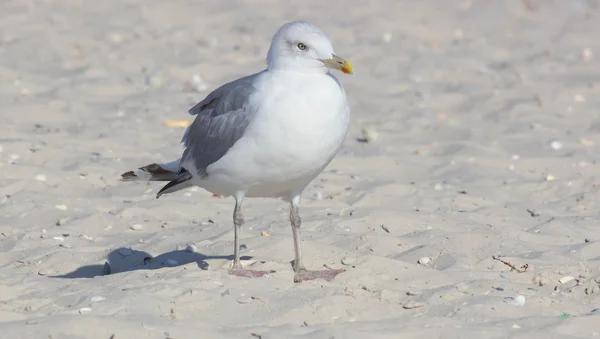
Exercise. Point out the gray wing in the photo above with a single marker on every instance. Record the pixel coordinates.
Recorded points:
(221, 119)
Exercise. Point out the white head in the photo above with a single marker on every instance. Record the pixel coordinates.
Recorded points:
(301, 45)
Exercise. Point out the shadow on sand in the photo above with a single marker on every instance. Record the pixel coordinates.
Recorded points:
(126, 260)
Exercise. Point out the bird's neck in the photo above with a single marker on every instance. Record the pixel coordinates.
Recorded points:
(296, 65)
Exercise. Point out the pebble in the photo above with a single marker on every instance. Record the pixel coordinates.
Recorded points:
(125, 251)
(61, 207)
(191, 248)
(97, 298)
(136, 227)
(593, 288)
(62, 221)
(518, 300)
(58, 238)
(424, 261)
(65, 245)
(12, 159)
(413, 293)
(412, 305)
(541, 279)
(244, 300)
(264, 234)
(85, 310)
(387, 37)
(198, 84)
(348, 261)
(172, 262)
(556, 145)
(516, 326)
(368, 135)
(40, 177)
(587, 54)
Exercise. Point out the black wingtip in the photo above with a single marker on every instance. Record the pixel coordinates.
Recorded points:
(182, 177)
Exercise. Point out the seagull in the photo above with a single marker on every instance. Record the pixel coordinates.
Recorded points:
(266, 135)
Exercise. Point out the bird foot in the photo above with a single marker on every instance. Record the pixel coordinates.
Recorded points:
(246, 273)
(328, 275)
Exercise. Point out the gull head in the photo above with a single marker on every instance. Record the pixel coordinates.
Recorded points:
(301, 46)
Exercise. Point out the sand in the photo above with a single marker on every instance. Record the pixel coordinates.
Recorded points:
(487, 144)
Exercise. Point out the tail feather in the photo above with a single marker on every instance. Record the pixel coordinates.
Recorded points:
(153, 172)
(178, 178)
(181, 181)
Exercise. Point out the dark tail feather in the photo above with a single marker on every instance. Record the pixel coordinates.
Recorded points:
(152, 172)
(181, 181)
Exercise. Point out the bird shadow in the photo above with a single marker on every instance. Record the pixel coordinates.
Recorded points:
(127, 260)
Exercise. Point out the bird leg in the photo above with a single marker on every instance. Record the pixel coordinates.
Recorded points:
(301, 273)
(238, 221)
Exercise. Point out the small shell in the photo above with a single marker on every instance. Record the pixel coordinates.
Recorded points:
(566, 279)
(136, 227)
(244, 300)
(412, 305)
(264, 234)
(424, 261)
(191, 248)
(97, 298)
(85, 310)
(520, 300)
(348, 261)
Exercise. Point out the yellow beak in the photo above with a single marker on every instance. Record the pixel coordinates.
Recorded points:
(338, 63)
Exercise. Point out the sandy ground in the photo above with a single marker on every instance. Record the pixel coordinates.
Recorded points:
(488, 131)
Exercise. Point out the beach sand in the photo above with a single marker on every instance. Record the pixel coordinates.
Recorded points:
(484, 136)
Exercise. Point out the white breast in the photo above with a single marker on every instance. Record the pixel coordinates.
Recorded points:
(301, 125)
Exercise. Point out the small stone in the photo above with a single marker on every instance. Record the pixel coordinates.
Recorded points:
(463, 288)
(518, 300)
(62, 221)
(556, 145)
(136, 227)
(516, 326)
(61, 207)
(588, 240)
(412, 305)
(541, 279)
(191, 248)
(387, 37)
(65, 245)
(368, 135)
(85, 310)
(550, 177)
(58, 238)
(97, 298)
(593, 288)
(244, 300)
(424, 261)
(587, 54)
(264, 234)
(413, 293)
(40, 177)
(348, 261)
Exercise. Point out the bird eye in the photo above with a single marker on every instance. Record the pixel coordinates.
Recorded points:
(301, 46)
